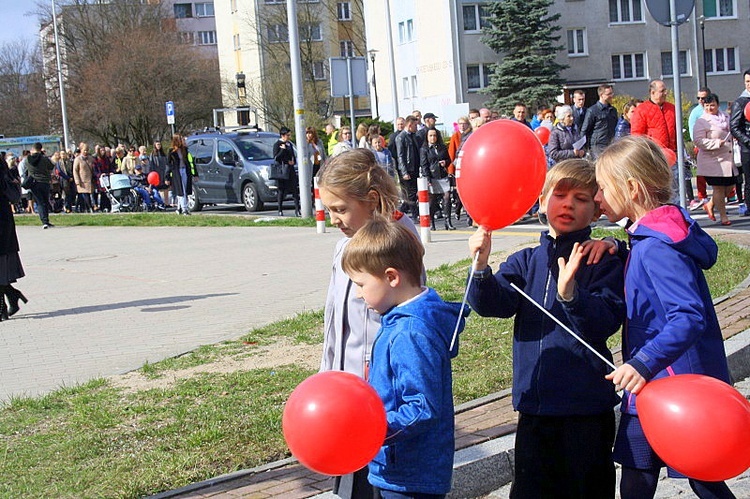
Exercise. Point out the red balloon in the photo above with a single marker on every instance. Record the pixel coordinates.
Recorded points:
(500, 173)
(543, 133)
(153, 179)
(698, 425)
(334, 423)
(747, 111)
(670, 155)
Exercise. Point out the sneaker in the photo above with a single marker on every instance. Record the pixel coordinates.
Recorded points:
(732, 200)
(50, 224)
(696, 203)
(45, 226)
(743, 209)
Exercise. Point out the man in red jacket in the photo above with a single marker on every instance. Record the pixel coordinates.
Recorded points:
(655, 118)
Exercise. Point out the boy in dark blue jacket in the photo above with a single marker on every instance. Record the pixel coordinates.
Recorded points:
(411, 360)
(566, 423)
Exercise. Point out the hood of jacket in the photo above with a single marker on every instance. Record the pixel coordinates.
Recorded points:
(35, 158)
(673, 226)
(440, 316)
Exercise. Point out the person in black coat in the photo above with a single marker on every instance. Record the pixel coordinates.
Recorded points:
(434, 161)
(283, 153)
(180, 173)
(10, 262)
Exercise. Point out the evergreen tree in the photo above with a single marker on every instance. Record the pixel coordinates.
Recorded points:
(523, 32)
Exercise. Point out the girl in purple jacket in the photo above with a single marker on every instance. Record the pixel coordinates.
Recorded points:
(671, 325)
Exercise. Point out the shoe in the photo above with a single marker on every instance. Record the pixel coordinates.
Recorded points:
(709, 211)
(448, 224)
(743, 209)
(45, 226)
(726, 222)
(13, 296)
(732, 200)
(696, 203)
(281, 213)
(50, 224)
(469, 222)
(4, 316)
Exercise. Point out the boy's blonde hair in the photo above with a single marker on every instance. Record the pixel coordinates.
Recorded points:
(636, 159)
(354, 174)
(571, 174)
(381, 244)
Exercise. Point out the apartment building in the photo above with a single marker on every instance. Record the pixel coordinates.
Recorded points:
(254, 60)
(431, 55)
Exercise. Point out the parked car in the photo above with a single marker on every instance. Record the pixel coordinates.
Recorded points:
(232, 168)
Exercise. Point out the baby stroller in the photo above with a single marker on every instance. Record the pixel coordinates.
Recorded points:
(121, 194)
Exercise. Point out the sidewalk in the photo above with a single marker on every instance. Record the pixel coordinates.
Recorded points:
(484, 434)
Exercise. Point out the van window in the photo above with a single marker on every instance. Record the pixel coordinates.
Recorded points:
(227, 156)
(256, 148)
(202, 151)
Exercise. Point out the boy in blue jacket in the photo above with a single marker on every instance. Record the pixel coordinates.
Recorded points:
(566, 424)
(411, 360)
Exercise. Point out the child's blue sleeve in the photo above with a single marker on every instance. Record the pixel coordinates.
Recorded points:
(491, 295)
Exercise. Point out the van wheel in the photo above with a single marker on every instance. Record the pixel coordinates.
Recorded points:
(193, 203)
(250, 197)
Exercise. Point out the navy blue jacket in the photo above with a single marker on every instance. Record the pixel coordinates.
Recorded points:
(411, 371)
(671, 326)
(554, 374)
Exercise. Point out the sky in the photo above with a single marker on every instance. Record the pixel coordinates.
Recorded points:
(15, 24)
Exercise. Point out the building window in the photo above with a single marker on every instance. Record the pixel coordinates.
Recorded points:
(577, 42)
(405, 87)
(721, 61)
(475, 17)
(311, 32)
(409, 30)
(719, 8)
(207, 38)
(186, 37)
(629, 66)
(236, 41)
(233, 6)
(682, 60)
(347, 48)
(277, 33)
(344, 11)
(183, 10)
(275, 1)
(204, 9)
(401, 32)
(319, 70)
(625, 11)
(406, 31)
(478, 76)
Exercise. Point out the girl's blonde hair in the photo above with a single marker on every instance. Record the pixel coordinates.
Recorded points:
(354, 174)
(636, 159)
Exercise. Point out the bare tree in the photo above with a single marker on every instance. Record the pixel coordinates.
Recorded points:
(123, 62)
(22, 96)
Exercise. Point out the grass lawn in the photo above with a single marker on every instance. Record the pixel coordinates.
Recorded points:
(164, 219)
(103, 439)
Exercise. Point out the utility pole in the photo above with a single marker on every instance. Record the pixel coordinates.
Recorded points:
(61, 83)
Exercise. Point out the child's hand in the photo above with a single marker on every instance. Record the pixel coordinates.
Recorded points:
(481, 243)
(627, 378)
(566, 283)
(596, 248)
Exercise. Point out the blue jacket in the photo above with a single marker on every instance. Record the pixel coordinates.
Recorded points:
(554, 374)
(411, 371)
(671, 326)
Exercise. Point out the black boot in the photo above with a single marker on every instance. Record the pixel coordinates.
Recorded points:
(3, 307)
(13, 296)
(448, 223)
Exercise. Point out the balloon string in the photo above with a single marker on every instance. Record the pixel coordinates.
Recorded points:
(463, 302)
(564, 326)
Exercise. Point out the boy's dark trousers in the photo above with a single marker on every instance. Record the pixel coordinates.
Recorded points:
(564, 457)
(354, 485)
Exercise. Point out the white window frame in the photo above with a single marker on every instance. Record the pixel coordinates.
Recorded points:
(414, 86)
(480, 21)
(319, 70)
(233, 6)
(716, 8)
(236, 41)
(630, 4)
(277, 33)
(409, 30)
(186, 38)
(183, 5)
(483, 71)
(344, 11)
(631, 59)
(346, 48)
(311, 32)
(206, 37)
(726, 58)
(201, 9)
(684, 57)
(402, 32)
(405, 87)
(575, 50)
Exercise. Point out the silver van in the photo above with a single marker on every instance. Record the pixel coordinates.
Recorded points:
(232, 169)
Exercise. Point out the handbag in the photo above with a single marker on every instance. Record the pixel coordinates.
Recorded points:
(278, 171)
(28, 182)
(11, 190)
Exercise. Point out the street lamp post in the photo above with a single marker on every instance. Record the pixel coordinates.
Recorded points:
(372, 53)
(701, 21)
